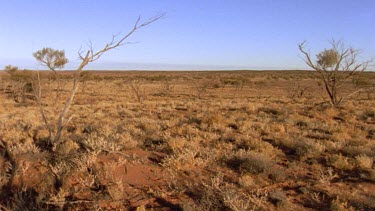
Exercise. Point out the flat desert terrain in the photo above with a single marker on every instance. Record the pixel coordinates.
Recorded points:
(187, 140)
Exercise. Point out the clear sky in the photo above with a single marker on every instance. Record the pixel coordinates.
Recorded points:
(195, 34)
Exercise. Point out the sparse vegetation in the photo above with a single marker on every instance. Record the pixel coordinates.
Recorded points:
(259, 149)
(20, 85)
(213, 107)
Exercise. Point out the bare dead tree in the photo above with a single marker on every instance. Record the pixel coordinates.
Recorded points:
(166, 88)
(201, 87)
(335, 66)
(86, 58)
(136, 86)
(298, 90)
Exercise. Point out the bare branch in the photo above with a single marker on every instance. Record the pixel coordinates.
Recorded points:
(308, 61)
(91, 57)
(114, 44)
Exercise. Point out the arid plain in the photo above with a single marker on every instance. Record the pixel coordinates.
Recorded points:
(197, 140)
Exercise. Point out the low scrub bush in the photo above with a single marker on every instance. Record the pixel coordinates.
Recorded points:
(254, 163)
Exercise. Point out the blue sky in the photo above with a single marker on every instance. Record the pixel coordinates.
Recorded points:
(195, 34)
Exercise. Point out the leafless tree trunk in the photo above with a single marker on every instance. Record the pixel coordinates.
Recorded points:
(201, 87)
(136, 87)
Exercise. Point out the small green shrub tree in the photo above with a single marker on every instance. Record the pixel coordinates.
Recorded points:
(11, 70)
(54, 60)
(335, 66)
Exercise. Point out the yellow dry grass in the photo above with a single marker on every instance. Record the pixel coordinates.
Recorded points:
(238, 140)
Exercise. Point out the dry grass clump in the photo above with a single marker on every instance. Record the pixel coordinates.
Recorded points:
(5, 171)
(256, 145)
(371, 134)
(364, 162)
(26, 146)
(367, 116)
(326, 176)
(308, 148)
(339, 162)
(184, 160)
(100, 142)
(278, 197)
(338, 205)
(247, 181)
(358, 147)
(302, 147)
(216, 194)
(274, 112)
(247, 162)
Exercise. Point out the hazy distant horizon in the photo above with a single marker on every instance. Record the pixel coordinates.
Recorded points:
(22, 64)
(129, 66)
